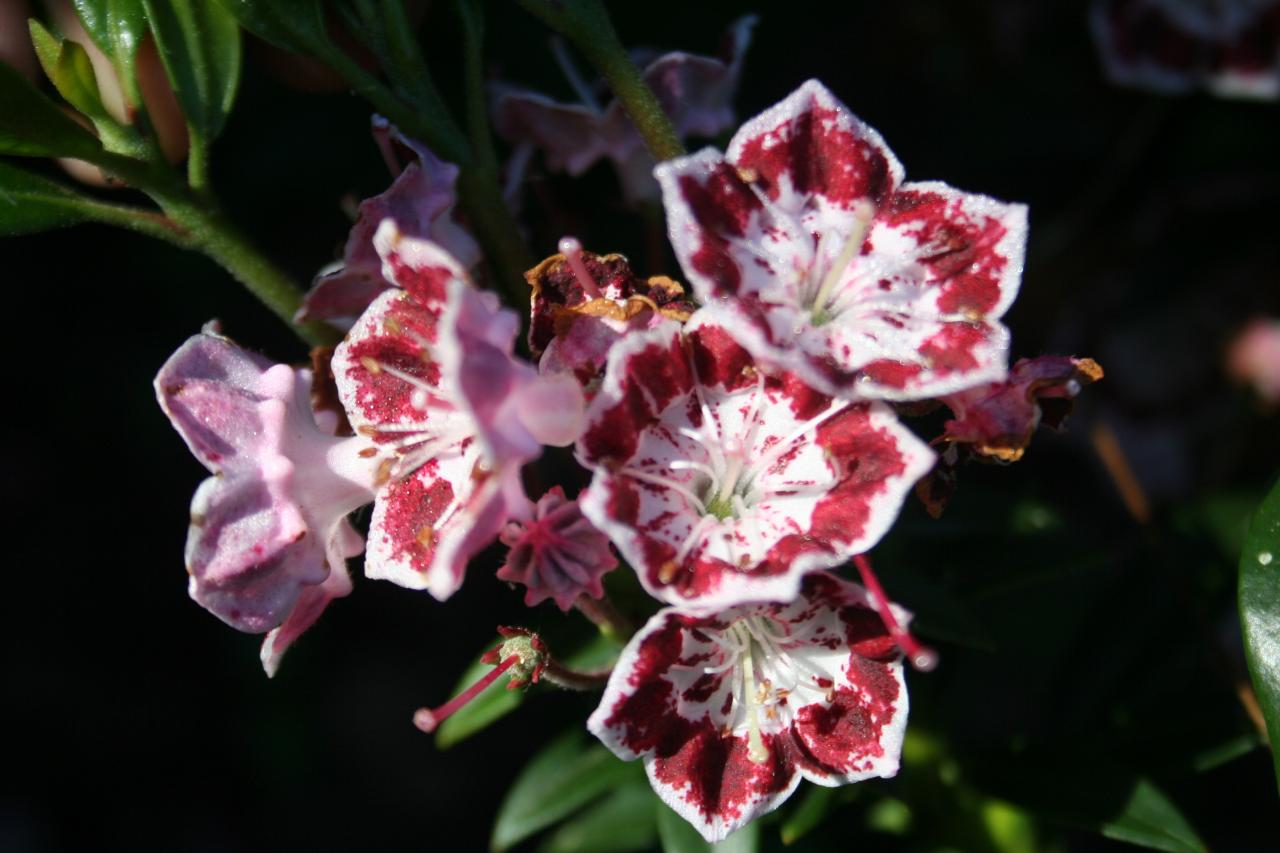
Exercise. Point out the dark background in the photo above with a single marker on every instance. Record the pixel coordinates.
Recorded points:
(1081, 648)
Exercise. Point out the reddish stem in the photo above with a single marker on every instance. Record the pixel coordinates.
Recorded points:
(427, 719)
(572, 251)
(922, 657)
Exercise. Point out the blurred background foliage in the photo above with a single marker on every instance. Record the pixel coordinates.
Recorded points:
(1092, 689)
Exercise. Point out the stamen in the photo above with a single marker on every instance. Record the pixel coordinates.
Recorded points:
(862, 216)
(572, 251)
(427, 719)
(922, 657)
(665, 483)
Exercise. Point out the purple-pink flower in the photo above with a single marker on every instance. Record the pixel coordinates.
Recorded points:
(421, 201)
(428, 375)
(269, 538)
(696, 93)
(556, 553)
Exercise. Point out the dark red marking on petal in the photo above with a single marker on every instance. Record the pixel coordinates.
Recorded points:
(819, 157)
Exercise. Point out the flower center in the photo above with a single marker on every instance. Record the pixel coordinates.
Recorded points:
(822, 307)
(764, 677)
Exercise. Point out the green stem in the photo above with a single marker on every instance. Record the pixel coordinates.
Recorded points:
(216, 237)
(197, 162)
(587, 25)
(472, 18)
(192, 221)
(493, 223)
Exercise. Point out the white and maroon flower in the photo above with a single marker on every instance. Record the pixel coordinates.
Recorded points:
(722, 485)
(269, 538)
(428, 374)
(557, 553)
(696, 92)
(583, 303)
(421, 201)
(730, 711)
(864, 286)
(1228, 47)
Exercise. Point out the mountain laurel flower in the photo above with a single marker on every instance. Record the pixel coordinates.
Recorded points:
(864, 286)
(695, 92)
(720, 484)
(1228, 47)
(269, 538)
(557, 553)
(421, 200)
(731, 710)
(427, 373)
(583, 303)
(997, 420)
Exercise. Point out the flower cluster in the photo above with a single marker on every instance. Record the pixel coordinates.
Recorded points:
(742, 439)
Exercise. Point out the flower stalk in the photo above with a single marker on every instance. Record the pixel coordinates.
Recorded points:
(587, 25)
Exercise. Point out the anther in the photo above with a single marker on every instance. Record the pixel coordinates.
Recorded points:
(921, 656)
(571, 248)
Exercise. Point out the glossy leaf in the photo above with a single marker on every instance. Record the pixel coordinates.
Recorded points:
(68, 67)
(624, 820)
(562, 778)
(118, 27)
(31, 125)
(296, 25)
(679, 836)
(199, 44)
(30, 202)
(1149, 819)
(1260, 611)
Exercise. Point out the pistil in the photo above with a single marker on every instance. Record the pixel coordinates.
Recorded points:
(756, 750)
(572, 251)
(427, 719)
(862, 216)
(921, 656)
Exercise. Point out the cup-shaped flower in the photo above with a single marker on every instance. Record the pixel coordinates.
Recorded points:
(730, 711)
(421, 201)
(720, 484)
(1228, 47)
(862, 285)
(269, 539)
(696, 93)
(428, 375)
(583, 303)
(557, 553)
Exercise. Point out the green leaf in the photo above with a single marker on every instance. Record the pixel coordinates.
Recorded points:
(296, 25)
(624, 820)
(1260, 611)
(199, 44)
(68, 67)
(679, 836)
(32, 203)
(482, 711)
(806, 816)
(1149, 819)
(31, 125)
(560, 779)
(118, 28)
